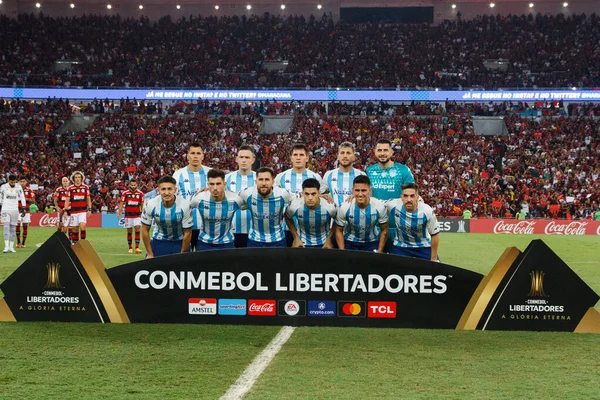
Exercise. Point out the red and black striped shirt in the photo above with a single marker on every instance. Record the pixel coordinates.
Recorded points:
(61, 195)
(78, 198)
(29, 195)
(133, 202)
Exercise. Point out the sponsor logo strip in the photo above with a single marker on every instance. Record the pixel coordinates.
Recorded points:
(382, 309)
(262, 307)
(202, 306)
(353, 309)
(232, 306)
(321, 308)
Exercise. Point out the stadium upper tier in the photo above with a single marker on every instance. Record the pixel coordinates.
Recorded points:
(551, 163)
(272, 52)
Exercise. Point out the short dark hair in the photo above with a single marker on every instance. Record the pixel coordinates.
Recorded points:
(195, 144)
(361, 179)
(311, 183)
(384, 141)
(12, 177)
(216, 173)
(410, 185)
(167, 179)
(299, 146)
(133, 180)
(265, 169)
(248, 148)
(23, 177)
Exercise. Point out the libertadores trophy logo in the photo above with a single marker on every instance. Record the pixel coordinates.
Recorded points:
(53, 281)
(537, 284)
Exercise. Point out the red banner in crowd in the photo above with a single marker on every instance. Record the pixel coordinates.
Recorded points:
(536, 226)
(43, 219)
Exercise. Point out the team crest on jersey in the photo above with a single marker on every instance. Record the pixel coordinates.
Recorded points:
(384, 174)
(393, 173)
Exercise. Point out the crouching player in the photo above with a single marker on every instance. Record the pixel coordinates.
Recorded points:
(418, 231)
(173, 218)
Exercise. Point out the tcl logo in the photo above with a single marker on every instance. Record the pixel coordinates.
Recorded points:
(261, 307)
(382, 309)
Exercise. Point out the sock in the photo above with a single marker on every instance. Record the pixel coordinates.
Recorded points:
(6, 232)
(82, 234)
(18, 233)
(137, 240)
(25, 227)
(11, 238)
(6, 244)
(129, 239)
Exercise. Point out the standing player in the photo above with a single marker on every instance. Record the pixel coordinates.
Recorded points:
(237, 181)
(217, 208)
(266, 205)
(173, 217)
(312, 216)
(133, 199)
(357, 221)
(60, 196)
(11, 195)
(79, 204)
(417, 233)
(340, 180)
(387, 178)
(191, 179)
(292, 178)
(26, 218)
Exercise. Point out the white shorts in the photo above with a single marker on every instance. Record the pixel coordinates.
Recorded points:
(79, 218)
(26, 219)
(132, 222)
(10, 217)
(65, 218)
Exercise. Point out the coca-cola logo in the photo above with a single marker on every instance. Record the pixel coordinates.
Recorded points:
(261, 307)
(515, 228)
(49, 220)
(565, 228)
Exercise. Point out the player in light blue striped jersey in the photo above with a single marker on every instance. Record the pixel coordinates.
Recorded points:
(267, 205)
(292, 178)
(340, 179)
(216, 207)
(357, 221)
(313, 218)
(237, 181)
(190, 179)
(173, 217)
(418, 231)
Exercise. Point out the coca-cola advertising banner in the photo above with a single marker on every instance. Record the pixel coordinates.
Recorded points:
(535, 226)
(51, 220)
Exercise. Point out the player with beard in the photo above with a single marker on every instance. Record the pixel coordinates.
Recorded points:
(267, 205)
(340, 180)
(79, 204)
(417, 233)
(387, 178)
(133, 200)
(12, 202)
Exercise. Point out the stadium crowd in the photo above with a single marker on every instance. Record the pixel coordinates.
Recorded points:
(550, 165)
(233, 52)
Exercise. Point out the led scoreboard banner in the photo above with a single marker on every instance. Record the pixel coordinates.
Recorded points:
(529, 290)
(302, 95)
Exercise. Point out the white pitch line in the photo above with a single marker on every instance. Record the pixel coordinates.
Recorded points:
(244, 383)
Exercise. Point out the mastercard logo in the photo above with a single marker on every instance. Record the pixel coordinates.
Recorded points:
(351, 308)
(355, 309)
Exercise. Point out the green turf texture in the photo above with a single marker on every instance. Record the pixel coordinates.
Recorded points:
(138, 361)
